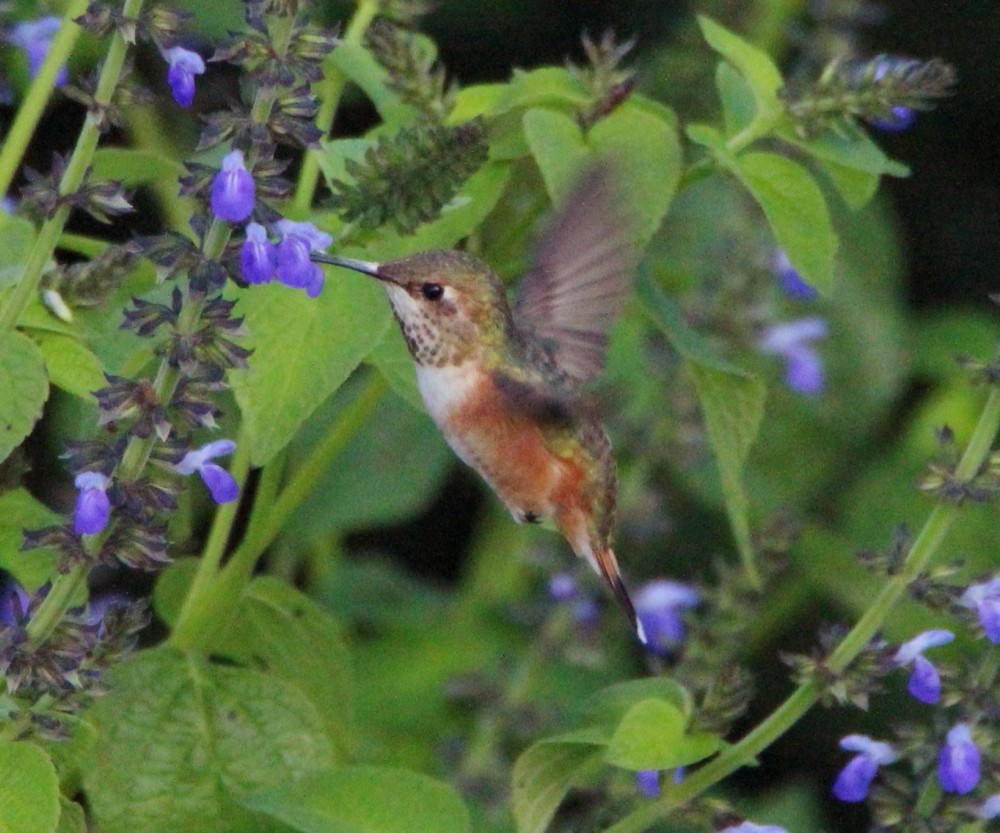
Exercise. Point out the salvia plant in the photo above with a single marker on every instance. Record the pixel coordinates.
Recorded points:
(196, 419)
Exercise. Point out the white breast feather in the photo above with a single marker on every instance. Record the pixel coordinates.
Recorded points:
(444, 388)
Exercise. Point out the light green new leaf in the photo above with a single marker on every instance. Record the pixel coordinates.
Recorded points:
(732, 402)
(543, 87)
(796, 211)
(855, 187)
(365, 799)
(558, 147)
(29, 789)
(544, 773)
(359, 64)
(753, 64)
(736, 97)
(609, 706)
(651, 736)
(71, 817)
(71, 365)
(21, 511)
(17, 239)
(304, 349)
(25, 388)
(179, 737)
(393, 360)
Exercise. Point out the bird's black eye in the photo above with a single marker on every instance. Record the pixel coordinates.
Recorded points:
(432, 291)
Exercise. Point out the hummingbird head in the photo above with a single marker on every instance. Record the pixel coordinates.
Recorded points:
(448, 304)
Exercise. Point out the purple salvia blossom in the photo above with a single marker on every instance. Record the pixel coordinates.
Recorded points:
(258, 255)
(958, 761)
(232, 196)
(219, 481)
(854, 779)
(984, 598)
(751, 827)
(659, 606)
(647, 781)
(14, 602)
(35, 38)
(790, 280)
(93, 508)
(990, 808)
(184, 65)
(294, 267)
(792, 342)
(924, 682)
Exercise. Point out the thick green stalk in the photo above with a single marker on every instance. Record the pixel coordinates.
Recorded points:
(16, 142)
(330, 90)
(72, 178)
(921, 553)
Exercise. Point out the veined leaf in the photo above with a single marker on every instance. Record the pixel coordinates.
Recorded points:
(29, 789)
(25, 388)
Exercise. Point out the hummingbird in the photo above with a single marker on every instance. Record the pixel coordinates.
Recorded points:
(506, 383)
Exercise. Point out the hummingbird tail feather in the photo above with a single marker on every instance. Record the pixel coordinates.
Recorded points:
(607, 565)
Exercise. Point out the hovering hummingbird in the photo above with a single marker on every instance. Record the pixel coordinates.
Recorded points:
(505, 384)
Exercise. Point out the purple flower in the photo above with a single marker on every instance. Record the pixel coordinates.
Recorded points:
(92, 505)
(647, 781)
(562, 587)
(902, 117)
(257, 255)
(750, 827)
(219, 481)
(14, 602)
(958, 761)
(791, 341)
(790, 280)
(35, 38)
(232, 195)
(990, 808)
(854, 779)
(925, 682)
(659, 605)
(294, 267)
(984, 598)
(184, 65)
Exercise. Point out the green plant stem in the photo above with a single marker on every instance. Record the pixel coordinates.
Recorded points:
(220, 590)
(921, 553)
(330, 90)
(16, 142)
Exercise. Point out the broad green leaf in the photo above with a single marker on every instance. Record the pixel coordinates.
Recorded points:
(646, 150)
(365, 799)
(754, 65)
(70, 365)
(283, 632)
(544, 774)
(559, 148)
(132, 167)
(304, 350)
(393, 360)
(610, 705)
(736, 97)
(733, 406)
(179, 738)
(36, 316)
(849, 146)
(71, 817)
(706, 136)
(855, 187)
(546, 86)
(20, 511)
(17, 238)
(359, 64)
(171, 589)
(389, 468)
(795, 210)
(29, 789)
(651, 736)
(25, 388)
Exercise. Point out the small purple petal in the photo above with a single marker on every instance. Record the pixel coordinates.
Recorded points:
(258, 257)
(659, 605)
(790, 280)
(648, 782)
(13, 602)
(315, 285)
(925, 682)
(854, 780)
(984, 598)
(958, 761)
(804, 372)
(294, 268)
(562, 587)
(902, 119)
(989, 618)
(990, 808)
(232, 197)
(93, 508)
(194, 460)
(791, 341)
(35, 38)
(750, 827)
(220, 483)
(316, 240)
(913, 648)
(879, 751)
(184, 65)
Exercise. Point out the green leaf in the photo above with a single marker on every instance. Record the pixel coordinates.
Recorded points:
(393, 360)
(282, 631)
(706, 136)
(736, 97)
(71, 818)
(29, 789)
(304, 349)
(651, 736)
(855, 187)
(171, 589)
(610, 705)
(796, 211)
(25, 388)
(389, 469)
(543, 774)
(179, 738)
(544, 87)
(358, 64)
(754, 65)
(365, 799)
(644, 146)
(17, 239)
(70, 365)
(134, 167)
(557, 144)
(733, 406)
(21, 511)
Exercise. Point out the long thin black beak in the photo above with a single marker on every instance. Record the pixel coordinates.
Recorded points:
(366, 267)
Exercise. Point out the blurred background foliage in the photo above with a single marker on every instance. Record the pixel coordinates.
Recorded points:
(442, 595)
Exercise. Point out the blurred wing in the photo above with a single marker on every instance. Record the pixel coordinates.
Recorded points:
(581, 273)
